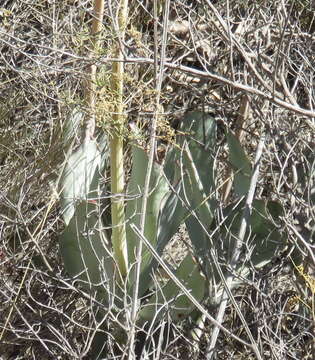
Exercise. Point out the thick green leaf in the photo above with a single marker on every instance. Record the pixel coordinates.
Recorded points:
(76, 180)
(84, 250)
(202, 207)
(198, 178)
(199, 133)
(190, 169)
(158, 190)
(240, 164)
(170, 298)
(173, 212)
(171, 217)
(194, 192)
(72, 126)
(262, 236)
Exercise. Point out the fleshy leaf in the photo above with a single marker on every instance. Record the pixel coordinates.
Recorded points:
(170, 298)
(77, 177)
(240, 164)
(199, 133)
(262, 236)
(158, 190)
(84, 249)
(190, 169)
(72, 125)
(198, 153)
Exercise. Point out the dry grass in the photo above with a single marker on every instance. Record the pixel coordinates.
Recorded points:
(268, 46)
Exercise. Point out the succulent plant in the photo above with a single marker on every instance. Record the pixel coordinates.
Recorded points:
(182, 191)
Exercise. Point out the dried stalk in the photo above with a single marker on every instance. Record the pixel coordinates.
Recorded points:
(116, 148)
(90, 89)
